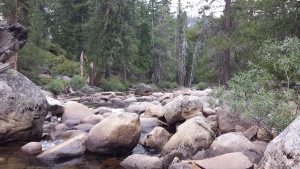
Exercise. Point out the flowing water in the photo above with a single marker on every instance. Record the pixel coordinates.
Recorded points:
(12, 157)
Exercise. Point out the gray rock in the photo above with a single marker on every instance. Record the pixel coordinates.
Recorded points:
(234, 142)
(192, 136)
(23, 108)
(143, 90)
(32, 148)
(156, 139)
(181, 108)
(283, 151)
(140, 161)
(118, 133)
(76, 111)
(235, 160)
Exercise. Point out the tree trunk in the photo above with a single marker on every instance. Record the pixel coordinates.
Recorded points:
(91, 74)
(12, 20)
(81, 65)
(225, 55)
(193, 65)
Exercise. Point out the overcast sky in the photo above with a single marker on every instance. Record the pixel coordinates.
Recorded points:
(192, 6)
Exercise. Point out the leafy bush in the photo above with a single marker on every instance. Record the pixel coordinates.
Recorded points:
(60, 65)
(114, 84)
(87, 89)
(280, 58)
(55, 86)
(170, 85)
(77, 82)
(202, 86)
(253, 94)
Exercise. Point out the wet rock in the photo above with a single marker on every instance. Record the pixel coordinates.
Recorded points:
(23, 108)
(32, 148)
(64, 135)
(156, 139)
(192, 136)
(140, 161)
(72, 147)
(118, 133)
(181, 108)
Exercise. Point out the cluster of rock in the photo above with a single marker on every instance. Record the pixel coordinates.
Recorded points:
(207, 135)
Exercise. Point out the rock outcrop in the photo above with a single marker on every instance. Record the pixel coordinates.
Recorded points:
(23, 108)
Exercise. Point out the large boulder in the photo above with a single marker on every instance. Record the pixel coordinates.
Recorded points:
(234, 142)
(283, 151)
(72, 147)
(181, 108)
(156, 139)
(32, 148)
(116, 134)
(140, 161)
(143, 90)
(192, 136)
(75, 111)
(23, 108)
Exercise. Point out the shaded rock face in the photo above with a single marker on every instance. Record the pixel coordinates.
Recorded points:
(23, 108)
(192, 136)
(116, 134)
(181, 108)
(284, 151)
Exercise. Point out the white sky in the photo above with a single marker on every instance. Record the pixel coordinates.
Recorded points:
(192, 6)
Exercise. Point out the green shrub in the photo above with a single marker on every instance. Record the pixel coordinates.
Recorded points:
(55, 86)
(77, 82)
(170, 85)
(114, 84)
(252, 94)
(87, 89)
(202, 85)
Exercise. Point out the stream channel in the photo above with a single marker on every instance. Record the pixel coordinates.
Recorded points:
(12, 157)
